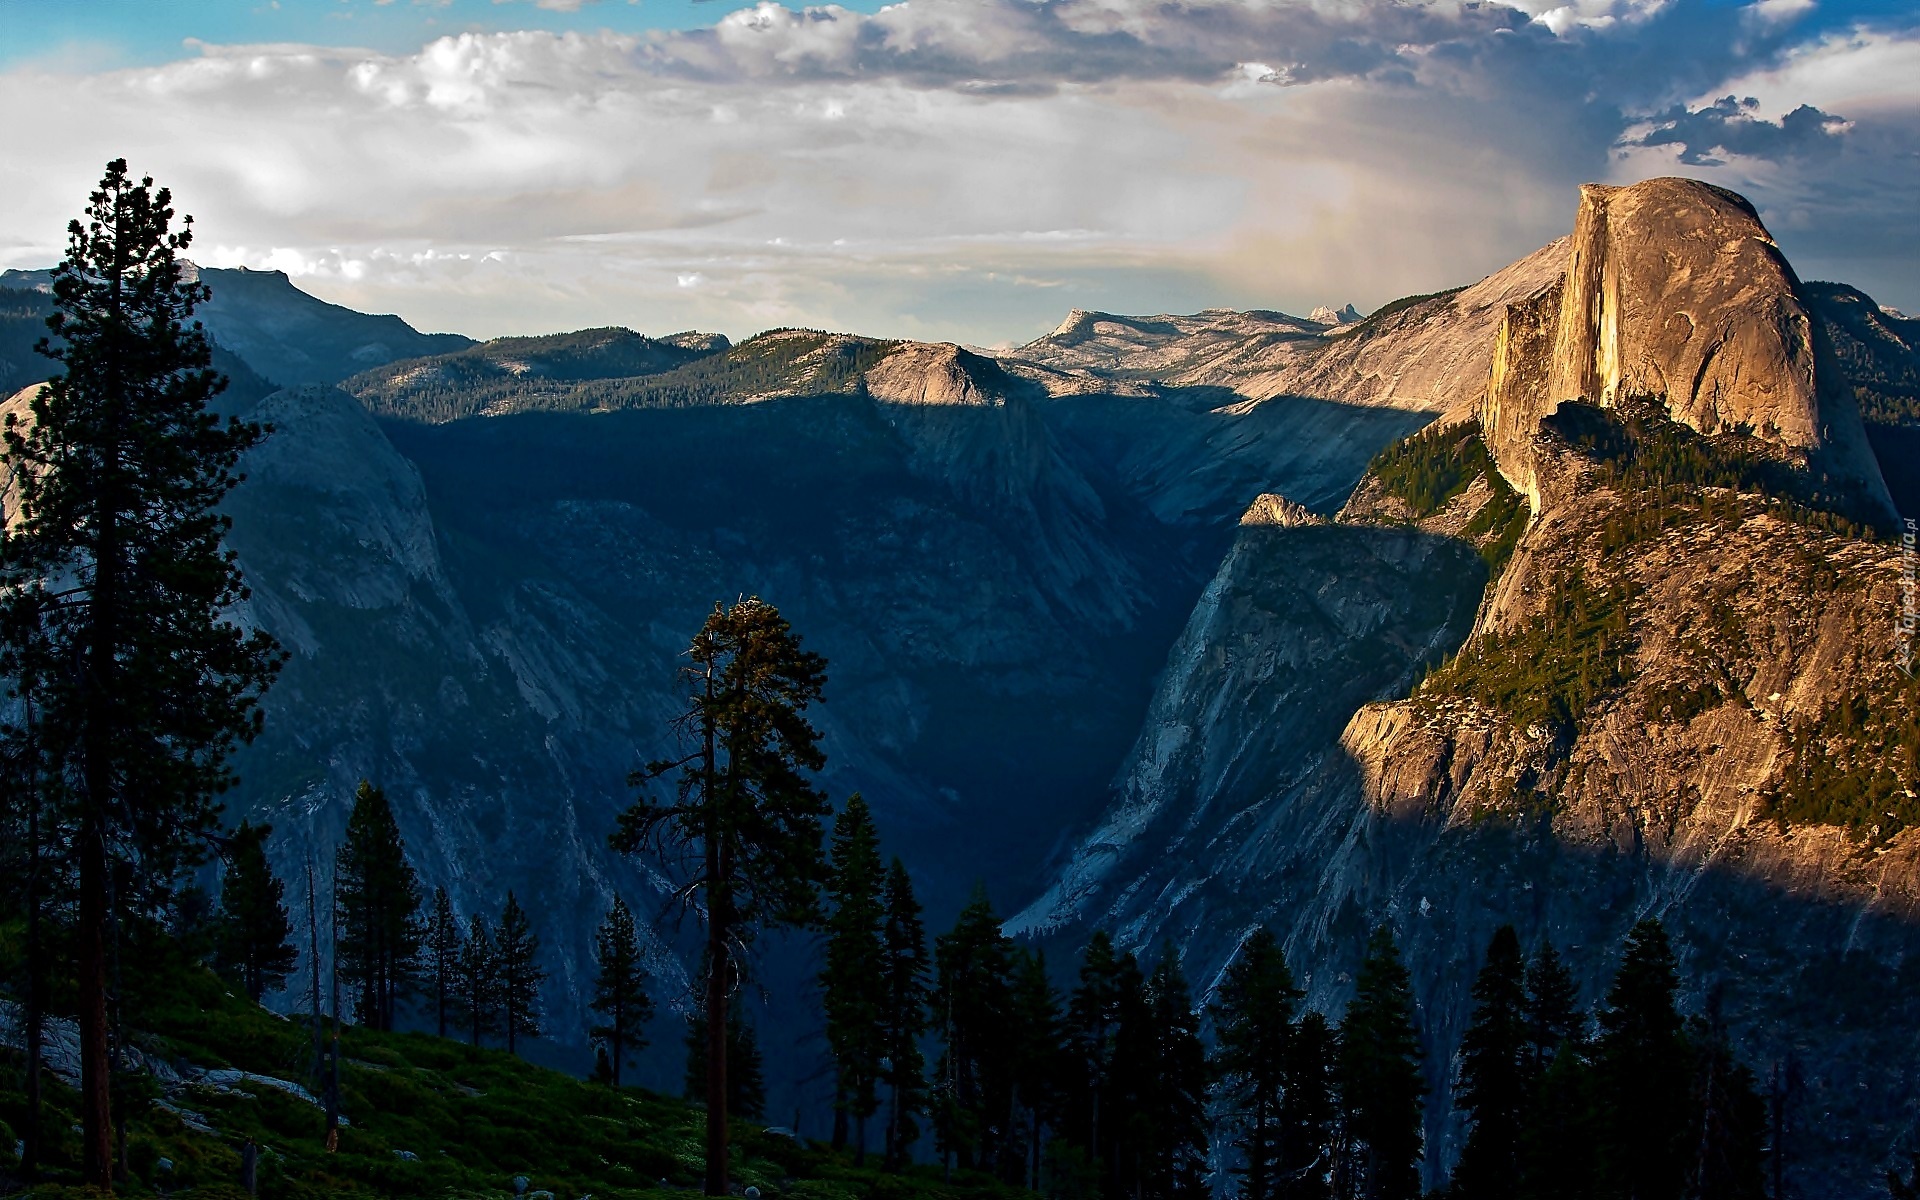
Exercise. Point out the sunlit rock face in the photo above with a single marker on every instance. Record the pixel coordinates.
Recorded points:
(1673, 289)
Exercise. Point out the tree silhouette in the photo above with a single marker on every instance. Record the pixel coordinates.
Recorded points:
(114, 584)
(744, 805)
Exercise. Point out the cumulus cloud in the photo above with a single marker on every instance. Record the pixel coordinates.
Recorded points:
(968, 168)
(1730, 126)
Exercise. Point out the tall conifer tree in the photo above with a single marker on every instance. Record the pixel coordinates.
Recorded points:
(1309, 1107)
(114, 586)
(972, 1005)
(253, 934)
(1380, 1084)
(1558, 1145)
(853, 981)
(1253, 1014)
(620, 990)
(1642, 1074)
(1496, 1061)
(744, 798)
(377, 907)
(479, 981)
(1174, 1107)
(746, 1082)
(1093, 1017)
(903, 1018)
(441, 957)
(518, 948)
(1039, 1062)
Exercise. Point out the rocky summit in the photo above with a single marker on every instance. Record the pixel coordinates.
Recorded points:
(1562, 598)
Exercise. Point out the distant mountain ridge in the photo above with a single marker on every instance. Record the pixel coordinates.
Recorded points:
(283, 333)
(1131, 623)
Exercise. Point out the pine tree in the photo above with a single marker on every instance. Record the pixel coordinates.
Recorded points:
(1731, 1157)
(972, 1005)
(1557, 1142)
(1131, 1079)
(1093, 1019)
(1175, 1100)
(853, 982)
(376, 905)
(1038, 1061)
(114, 588)
(479, 981)
(518, 949)
(1553, 1007)
(903, 1016)
(620, 990)
(1496, 1059)
(442, 957)
(1309, 1107)
(744, 798)
(1642, 1075)
(253, 934)
(746, 1084)
(1380, 1083)
(1253, 1014)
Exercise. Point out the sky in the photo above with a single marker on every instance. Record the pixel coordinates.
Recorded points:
(965, 170)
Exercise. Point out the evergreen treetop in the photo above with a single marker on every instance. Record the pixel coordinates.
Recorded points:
(254, 935)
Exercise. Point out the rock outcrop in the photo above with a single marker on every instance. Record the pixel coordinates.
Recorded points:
(1673, 289)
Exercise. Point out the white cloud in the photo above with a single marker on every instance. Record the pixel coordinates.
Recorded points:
(949, 168)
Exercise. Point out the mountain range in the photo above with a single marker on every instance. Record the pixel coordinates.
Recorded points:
(1562, 598)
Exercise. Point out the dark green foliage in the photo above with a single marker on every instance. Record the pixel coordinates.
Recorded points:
(852, 980)
(1496, 1061)
(440, 958)
(903, 1014)
(1642, 1075)
(742, 797)
(1559, 1148)
(1674, 471)
(1879, 353)
(1169, 1126)
(784, 362)
(114, 584)
(1554, 1019)
(254, 937)
(1401, 305)
(1731, 1154)
(972, 1012)
(478, 981)
(619, 990)
(1093, 1019)
(473, 1121)
(514, 374)
(1433, 466)
(1253, 1018)
(1497, 527)
(1552, 670)
(376, 910)
(746, 1083)
(1855, 763)
(1381, 1088)
(518, 947)
(1309, 1109)
(1039, 1064)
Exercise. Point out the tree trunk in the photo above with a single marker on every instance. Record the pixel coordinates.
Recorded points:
(839, 1114)
(719, 912)
(716, 1039)
(30, 1136)
(96, 1066)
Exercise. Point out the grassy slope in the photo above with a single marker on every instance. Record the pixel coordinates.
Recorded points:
(473, 1119)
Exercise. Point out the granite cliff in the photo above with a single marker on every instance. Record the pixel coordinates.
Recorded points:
(1669, 688)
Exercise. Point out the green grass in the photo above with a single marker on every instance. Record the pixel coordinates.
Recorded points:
(473, 1120)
